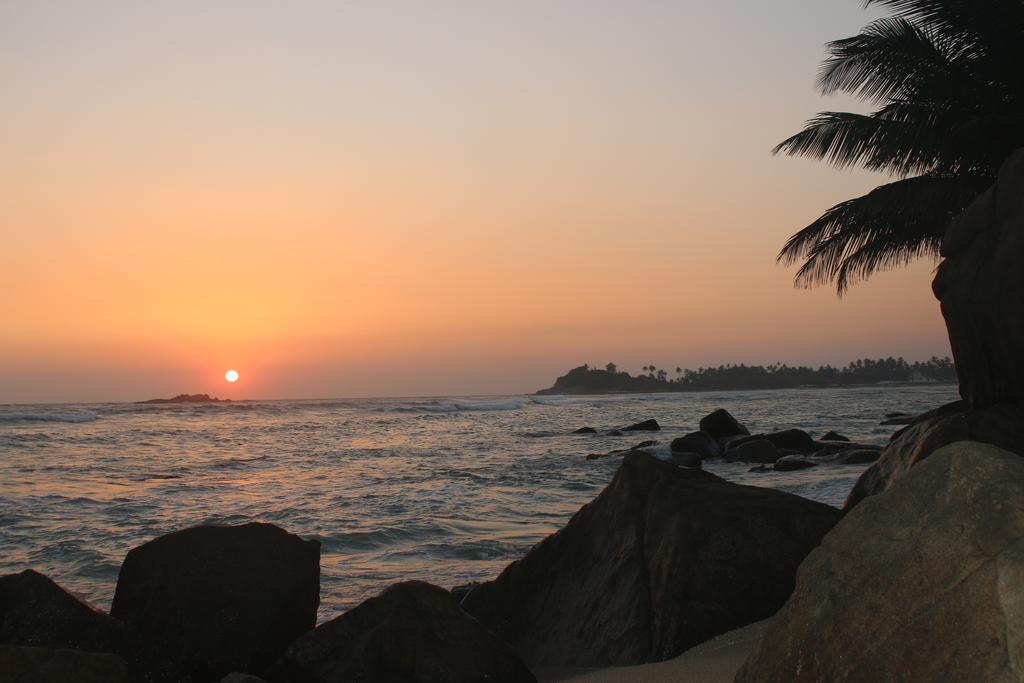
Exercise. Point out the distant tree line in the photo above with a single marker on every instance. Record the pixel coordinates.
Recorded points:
(586, 379)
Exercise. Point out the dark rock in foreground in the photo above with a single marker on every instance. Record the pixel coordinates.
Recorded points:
(413, 631)
(645, 426)
(585, 430)
(1001, 425)
(687, 459)
(43, 665)
(721, 424)
(217, 599)
(36, 611)
(924, 583)
(980, 286)
(664, 558)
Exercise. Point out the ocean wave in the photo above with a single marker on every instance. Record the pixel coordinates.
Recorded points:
(465, 406)
(47, 417)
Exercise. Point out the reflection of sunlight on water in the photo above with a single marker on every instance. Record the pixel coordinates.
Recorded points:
(393, 491)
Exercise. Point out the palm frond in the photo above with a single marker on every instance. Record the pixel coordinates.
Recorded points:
(891, 225)
(890, 57)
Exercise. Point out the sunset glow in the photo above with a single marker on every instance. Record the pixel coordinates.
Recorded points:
(231, 375)
(476, 224)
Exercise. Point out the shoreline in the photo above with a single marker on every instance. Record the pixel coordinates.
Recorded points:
(626, 392)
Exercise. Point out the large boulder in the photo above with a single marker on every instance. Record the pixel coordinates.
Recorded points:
(924, 583)
(20, 664)
(796, 440)
(980, 286)
(215, 599)
(1001, 425)
(721, 424)
(701, 443)
(664, 558)
(36, 611)
(413, 631)
(753, 450)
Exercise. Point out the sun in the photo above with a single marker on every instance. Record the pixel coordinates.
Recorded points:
(231, 375)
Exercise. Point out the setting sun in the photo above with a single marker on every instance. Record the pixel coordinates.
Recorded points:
(231, 375)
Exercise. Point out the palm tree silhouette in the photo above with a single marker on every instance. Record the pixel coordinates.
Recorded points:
(947, 79)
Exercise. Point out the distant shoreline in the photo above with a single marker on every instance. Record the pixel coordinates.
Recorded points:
(552, 391)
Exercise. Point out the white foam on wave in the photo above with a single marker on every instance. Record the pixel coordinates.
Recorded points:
(459, 406)
(661, 451)
(47, 417)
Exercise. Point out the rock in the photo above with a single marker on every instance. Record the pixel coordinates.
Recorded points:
(826, 448)
(217, 599)
(901, 420)
(833, 436)
(459, 592)
(36, 611)
(796, 440)
(700, 443)
(760, 468)
(756, 450)
(645, 426)
(1001, 425)
(793, 439)
(622, 451)
(237, 677)
(980, 286)
(924, 583)
(685, 459)
(20, 664)
(615, 432)
(187, 398)
(664, 558)
(413, 631)
(726, 441)
(898, 414)
(856, 456)
(720, 424)
(791, 463)
(585, 430)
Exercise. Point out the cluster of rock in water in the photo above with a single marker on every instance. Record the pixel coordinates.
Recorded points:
(923, 583)
(722, 436)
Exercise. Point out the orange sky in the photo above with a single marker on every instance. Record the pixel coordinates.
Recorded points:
(397, 201)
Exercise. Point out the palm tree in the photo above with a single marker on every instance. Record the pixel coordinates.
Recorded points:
(947, 81)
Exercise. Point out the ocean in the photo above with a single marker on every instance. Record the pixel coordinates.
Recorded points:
(447, 490)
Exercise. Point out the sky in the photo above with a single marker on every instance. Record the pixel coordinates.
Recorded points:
(416, 198)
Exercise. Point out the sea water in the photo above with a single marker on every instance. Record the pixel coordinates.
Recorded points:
(447, 490)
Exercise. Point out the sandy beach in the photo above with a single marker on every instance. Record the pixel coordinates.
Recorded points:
(715, 661)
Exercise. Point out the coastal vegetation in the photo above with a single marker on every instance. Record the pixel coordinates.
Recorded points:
(610, 379)
(946, 82)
